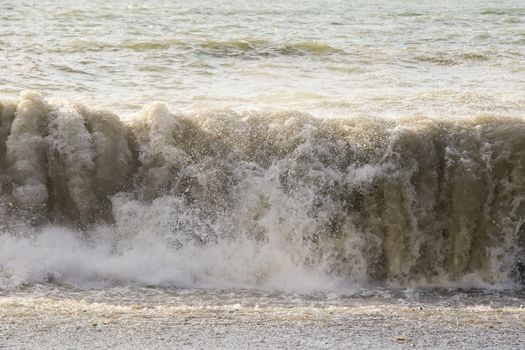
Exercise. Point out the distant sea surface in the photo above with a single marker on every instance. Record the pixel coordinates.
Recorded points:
(329, 58)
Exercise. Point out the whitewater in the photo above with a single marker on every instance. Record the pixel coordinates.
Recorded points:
(248, 200)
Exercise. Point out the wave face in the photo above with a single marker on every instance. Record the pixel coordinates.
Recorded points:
(259, 199)
(243, 47)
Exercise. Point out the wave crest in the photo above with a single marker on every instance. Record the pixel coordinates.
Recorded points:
(253, 199)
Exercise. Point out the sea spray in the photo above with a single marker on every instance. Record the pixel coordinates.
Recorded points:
(278, 200)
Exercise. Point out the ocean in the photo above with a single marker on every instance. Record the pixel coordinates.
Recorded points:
(278, 174)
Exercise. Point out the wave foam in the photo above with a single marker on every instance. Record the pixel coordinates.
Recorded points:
(259, 200)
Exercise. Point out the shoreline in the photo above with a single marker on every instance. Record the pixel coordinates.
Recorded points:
(66, 323)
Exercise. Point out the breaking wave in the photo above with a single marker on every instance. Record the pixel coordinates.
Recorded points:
(278, 200)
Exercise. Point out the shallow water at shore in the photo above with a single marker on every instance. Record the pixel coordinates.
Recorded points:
(58, 316)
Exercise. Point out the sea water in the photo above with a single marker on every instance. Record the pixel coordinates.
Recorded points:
(298, 155)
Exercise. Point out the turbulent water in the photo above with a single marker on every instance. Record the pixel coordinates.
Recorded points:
(264, 200)
(300, 145)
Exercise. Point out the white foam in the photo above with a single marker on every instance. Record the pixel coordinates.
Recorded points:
(258, 200)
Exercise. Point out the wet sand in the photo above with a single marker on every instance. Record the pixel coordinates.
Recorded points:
(46, 323)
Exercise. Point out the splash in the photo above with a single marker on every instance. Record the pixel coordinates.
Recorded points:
(276, 200)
